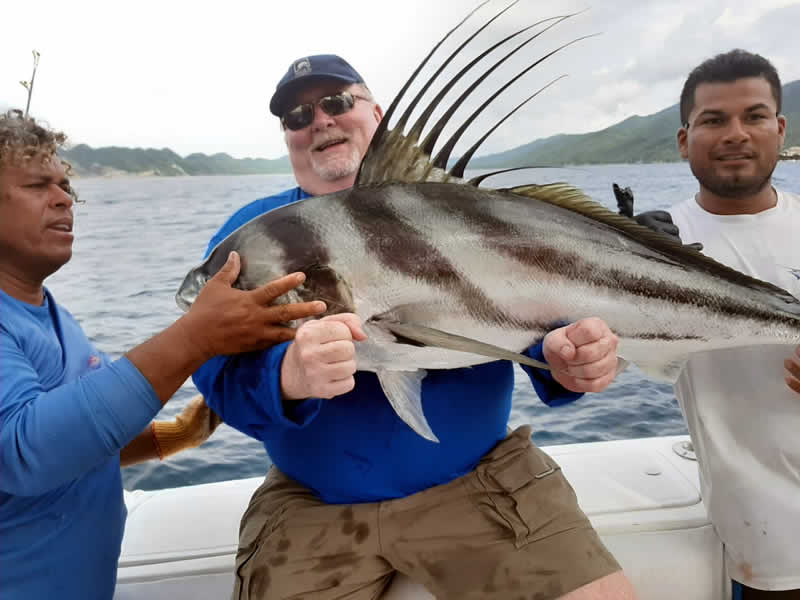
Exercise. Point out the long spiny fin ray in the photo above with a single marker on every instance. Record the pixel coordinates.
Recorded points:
(461, 164)
(441, 158)
(416, 130)
(430, 140)
(405, 152)
(476, 181)
(370, 168)
(573, 199)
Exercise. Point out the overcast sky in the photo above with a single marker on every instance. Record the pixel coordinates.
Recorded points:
(197, 76)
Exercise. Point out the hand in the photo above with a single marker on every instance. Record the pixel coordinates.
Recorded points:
(224, 320)
(792, 375)
(320, 362)
(193, 426)
(583, 355)
(197, 421)
(656, 220)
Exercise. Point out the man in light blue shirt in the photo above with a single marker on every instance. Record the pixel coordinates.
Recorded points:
(66, 411)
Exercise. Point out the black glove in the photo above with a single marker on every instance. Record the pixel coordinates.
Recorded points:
(657, 220)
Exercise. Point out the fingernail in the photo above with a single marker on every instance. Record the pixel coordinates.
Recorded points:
(230, 255)
(565, 351)
(301, 277)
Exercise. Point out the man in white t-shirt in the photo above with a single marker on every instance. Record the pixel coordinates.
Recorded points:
(742, 405)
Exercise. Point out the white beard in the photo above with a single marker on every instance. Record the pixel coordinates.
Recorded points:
(337, 168)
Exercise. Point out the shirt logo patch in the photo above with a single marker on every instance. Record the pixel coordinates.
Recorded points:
(94, 361)
(302, 67)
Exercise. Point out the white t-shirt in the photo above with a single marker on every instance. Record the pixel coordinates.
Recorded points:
(743, 419)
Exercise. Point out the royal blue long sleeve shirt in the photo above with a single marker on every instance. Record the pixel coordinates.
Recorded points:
(354, 448)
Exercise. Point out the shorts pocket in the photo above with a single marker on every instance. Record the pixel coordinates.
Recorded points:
(528, 492)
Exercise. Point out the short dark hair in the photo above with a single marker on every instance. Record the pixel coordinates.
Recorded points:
(726, 68)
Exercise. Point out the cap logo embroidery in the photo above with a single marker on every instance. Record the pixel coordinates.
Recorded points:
(302, 67)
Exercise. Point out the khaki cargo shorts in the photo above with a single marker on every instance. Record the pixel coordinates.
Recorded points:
(510, 528)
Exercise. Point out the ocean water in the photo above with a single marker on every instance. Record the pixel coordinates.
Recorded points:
(137, 237)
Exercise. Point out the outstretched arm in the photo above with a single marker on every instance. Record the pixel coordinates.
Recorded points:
(221, 321)
(51, 436)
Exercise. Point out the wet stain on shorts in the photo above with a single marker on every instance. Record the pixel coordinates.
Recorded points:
(351, 527)
(277, 561)
(362, 532)
(334, 580)
(259, 582)
(436, 571)
(336, 561)
(318, 539)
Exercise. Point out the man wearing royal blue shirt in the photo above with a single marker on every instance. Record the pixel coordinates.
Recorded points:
(66, 411)
(355, 494)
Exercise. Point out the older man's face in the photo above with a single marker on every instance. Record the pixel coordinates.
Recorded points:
(326, 154)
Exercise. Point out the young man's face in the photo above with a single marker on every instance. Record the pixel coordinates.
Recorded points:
(35, 218)
(326, 154)
(734, 136)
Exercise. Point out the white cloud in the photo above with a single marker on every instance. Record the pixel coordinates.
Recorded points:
(197, 77)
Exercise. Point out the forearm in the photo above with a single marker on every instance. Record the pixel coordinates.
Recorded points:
(244, 390)
(168, 359)
(53, 437)
(140, 449)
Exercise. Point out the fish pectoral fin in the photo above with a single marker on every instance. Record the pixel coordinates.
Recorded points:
(428, 336)
(622, 364)
(404, 391)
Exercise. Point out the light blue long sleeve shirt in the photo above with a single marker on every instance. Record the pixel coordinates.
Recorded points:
(65, 413)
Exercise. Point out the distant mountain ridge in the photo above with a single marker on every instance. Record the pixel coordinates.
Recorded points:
(114, 160)
(635, 140)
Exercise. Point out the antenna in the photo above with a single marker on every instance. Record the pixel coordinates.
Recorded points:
(29, 86)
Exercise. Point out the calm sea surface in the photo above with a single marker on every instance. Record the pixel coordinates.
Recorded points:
(137, 237)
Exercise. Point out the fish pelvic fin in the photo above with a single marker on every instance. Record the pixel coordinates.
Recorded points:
(404, 392)
(428, 336)
(570, 198)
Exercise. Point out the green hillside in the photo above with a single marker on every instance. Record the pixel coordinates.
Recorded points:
(114, 160)
(634, 140)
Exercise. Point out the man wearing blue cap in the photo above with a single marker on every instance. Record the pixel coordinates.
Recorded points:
(355, 495)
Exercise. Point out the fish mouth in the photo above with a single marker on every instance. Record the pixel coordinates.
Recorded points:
(329, 143)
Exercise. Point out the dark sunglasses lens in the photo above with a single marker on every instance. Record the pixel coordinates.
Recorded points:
(299, 117)
(337, 104)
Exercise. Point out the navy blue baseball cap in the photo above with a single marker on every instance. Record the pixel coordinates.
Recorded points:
(309, 68)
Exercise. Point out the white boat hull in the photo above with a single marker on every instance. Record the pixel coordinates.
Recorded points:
(641, 496)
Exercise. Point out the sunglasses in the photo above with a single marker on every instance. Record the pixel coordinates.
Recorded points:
(302, 115)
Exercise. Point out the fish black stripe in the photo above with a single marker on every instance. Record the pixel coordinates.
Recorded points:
(307, 251)
(402, 248)
(469, 205)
